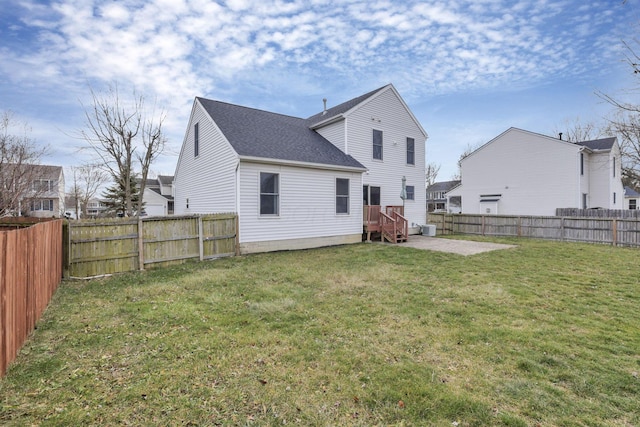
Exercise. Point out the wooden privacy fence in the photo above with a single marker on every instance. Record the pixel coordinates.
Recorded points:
(599, 213)
(614, 231)
(96, 248)
(30, 272)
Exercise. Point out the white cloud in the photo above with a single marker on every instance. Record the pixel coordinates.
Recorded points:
(179, 49)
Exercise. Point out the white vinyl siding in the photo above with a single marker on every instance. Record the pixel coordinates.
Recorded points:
(334, 133)
(602, 183)
(209, 181)
(307, 204)
(504, 166)
(386, 112)
(535, 174)
(155, 204)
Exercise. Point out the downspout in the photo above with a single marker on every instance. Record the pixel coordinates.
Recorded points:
(238, 205)
(580, 171)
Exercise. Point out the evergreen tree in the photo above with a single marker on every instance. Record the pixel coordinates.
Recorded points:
(116, 200)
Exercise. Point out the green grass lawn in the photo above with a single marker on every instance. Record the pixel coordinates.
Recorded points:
(546, 334)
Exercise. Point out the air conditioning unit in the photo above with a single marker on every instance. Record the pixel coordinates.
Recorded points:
(429, 230)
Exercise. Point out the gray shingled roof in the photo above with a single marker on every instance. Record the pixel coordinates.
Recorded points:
(442, 186)
(165, 179)
(599, 144)
(630, 192)
(262, 134)
(340, 108)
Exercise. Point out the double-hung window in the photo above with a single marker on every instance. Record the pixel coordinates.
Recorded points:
(342, 196)
(42, 205)
(411, 151)
(269, 193)
(411, 192)
(377, 144)
(42, 185)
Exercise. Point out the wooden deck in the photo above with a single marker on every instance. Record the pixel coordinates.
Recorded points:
(391, 224)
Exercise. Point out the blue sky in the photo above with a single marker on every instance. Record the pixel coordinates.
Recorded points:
(468, 69)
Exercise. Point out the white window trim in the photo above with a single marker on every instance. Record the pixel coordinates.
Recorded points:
(348, 197)
(260, 214)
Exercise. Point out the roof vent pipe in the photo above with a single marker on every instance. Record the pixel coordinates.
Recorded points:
(560, 136)
(324, 100)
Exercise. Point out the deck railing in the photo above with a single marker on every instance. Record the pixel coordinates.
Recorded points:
(390, 210)
(402, 227)
(390, 222)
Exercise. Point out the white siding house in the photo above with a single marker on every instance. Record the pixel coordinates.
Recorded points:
(631, 199)
(294, 182)
(47, 194)
(525, 173)
(352, 127)
(158, 197)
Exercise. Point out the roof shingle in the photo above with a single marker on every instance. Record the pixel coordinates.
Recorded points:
(262, 134)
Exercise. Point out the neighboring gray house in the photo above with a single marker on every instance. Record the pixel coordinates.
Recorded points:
(300, 183)
(631, 199)
(437, 199)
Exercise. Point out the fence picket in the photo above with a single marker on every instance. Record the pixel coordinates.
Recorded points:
(617, 231)
(30, 272)
(113, 246)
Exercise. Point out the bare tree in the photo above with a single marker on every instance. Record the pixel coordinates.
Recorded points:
(19, 160)
(124, 135)
(576, 130)
(431, 173)
(625, 121)
(626, 126)
(87, 179)
(467, 151)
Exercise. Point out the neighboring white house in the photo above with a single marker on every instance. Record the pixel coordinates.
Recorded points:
(299, 183)
(525, 173)
(47, 195)
(438, 200)
(631, 199)
(158, 197)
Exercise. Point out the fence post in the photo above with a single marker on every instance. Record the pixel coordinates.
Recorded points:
(562, 229)
(140, 245)
(66, 248)
(614, 229)
(200, 238)
(483, 225)
(519, 226)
